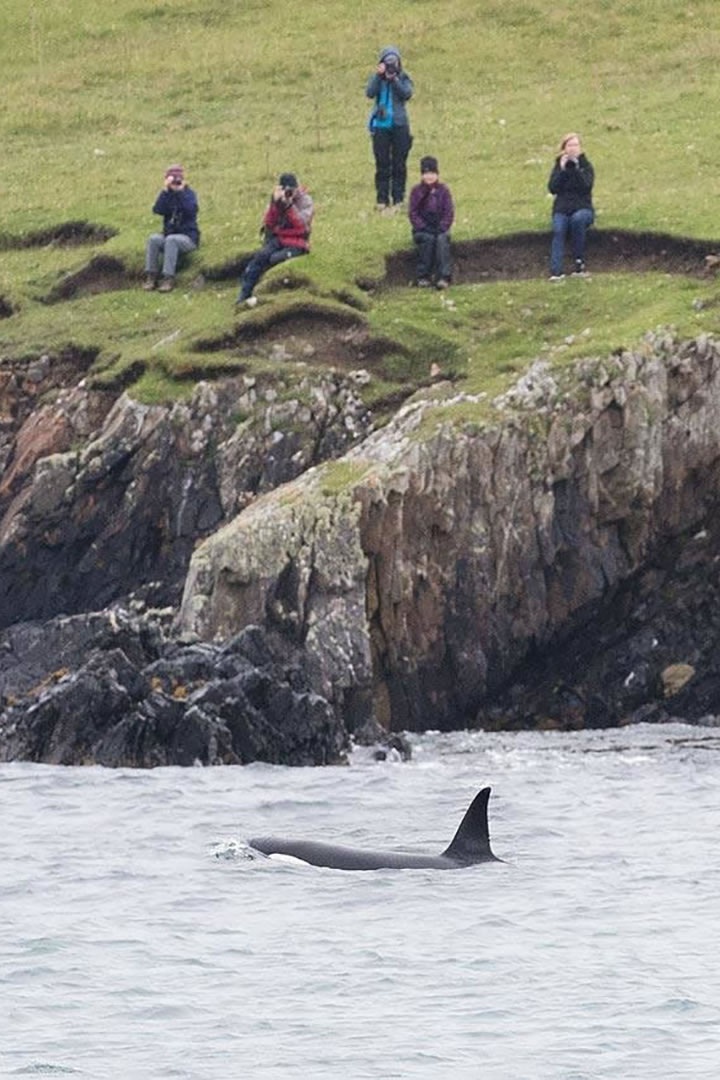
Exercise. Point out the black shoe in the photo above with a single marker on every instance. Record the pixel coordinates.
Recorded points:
(579, 267)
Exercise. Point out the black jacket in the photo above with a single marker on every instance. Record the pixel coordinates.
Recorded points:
(572, 187)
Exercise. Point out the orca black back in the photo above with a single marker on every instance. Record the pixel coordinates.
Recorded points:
(470, 845)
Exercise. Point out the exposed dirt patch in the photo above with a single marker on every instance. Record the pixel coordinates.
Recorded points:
(310, 335)
(231, 270)
(67, 234)
(119, 380)
(187, 371)
(526, 255)
(103, 273)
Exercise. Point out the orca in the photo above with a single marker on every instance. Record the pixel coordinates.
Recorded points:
(470, 845)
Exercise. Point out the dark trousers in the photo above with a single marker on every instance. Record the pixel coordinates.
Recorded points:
(433, 254)
(391, 149)
(271, 254)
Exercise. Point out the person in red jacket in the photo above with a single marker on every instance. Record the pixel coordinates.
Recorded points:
(287, 224)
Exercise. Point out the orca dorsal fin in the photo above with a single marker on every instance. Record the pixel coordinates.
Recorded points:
(471, 843)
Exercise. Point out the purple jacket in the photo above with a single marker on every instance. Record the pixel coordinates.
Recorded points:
(431, 208)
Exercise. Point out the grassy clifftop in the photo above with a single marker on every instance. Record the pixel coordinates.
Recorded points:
(99, 98)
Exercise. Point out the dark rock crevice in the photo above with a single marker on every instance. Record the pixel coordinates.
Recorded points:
(608, 669)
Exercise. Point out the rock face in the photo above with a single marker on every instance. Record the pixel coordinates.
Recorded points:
(652, 654)
(548, 559)
(99, 496)
(130, 697)
(455, 552)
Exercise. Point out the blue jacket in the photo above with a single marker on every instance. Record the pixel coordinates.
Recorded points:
(398, 89)
(179, 210)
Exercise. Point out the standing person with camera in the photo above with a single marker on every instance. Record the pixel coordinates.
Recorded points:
(178, 205)
(571, 182)
(287, 224)
(389, 127)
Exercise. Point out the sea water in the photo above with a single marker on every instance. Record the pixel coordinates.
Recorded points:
(140, 938)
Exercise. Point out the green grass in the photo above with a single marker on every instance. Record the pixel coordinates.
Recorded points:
(98, 99)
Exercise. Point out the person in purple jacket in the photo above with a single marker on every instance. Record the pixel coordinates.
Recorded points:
(431, 214)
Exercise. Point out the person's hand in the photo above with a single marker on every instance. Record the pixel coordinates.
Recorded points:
(381, 68)
(564, 158)
(168, 182)
(278, 193)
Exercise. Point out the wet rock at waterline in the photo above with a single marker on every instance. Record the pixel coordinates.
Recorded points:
(138, 699)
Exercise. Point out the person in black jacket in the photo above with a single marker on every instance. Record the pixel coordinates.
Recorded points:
(571, 182)
(178, 205)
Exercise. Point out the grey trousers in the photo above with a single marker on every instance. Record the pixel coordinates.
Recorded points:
(169, 247)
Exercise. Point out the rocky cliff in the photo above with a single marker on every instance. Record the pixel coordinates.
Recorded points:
(100, 494)
(462, 544)
(102, 500)
(544, 559)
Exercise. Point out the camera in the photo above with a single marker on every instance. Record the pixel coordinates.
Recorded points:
(288, 192)
(571, 163)
(391, 67)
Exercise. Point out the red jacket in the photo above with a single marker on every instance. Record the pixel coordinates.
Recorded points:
(291, 224)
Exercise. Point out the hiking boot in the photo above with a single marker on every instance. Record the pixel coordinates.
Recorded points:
(442, 283)
(423, 283)
(167, 284)
(579, 267)
(150, 282)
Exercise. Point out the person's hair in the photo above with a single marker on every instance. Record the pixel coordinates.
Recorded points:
(566, 139)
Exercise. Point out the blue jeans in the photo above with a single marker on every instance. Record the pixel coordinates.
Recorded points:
(577, 224)
(270, 255)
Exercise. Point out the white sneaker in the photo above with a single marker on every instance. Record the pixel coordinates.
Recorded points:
(557, 277)
(251, 301)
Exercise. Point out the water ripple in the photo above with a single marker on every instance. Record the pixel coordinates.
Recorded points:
(140, 938)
